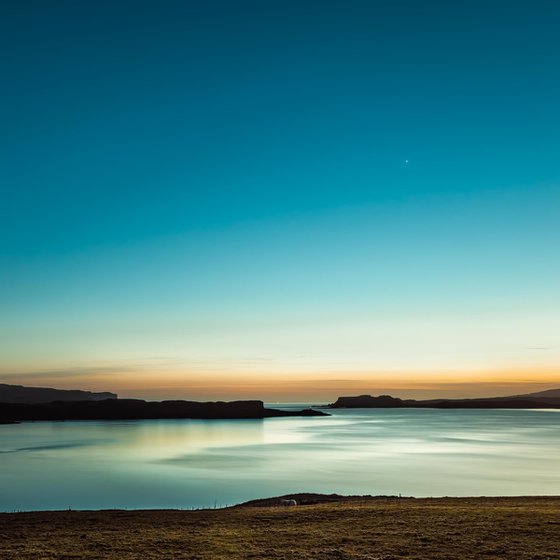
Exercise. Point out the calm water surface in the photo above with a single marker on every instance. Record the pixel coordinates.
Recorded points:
(192, 463)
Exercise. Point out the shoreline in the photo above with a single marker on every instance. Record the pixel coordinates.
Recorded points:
(306, 500)
(360, 528)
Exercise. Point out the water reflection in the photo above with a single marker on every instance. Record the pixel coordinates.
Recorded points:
(194, 463)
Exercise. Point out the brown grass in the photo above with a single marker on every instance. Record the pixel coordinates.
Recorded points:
(380, 529)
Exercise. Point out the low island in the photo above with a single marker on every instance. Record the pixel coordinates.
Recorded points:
(543, 399)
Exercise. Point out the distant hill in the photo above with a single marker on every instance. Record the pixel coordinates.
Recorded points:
(548, 394)
(33, 395)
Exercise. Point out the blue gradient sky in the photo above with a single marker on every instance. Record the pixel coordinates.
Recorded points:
(279, 198)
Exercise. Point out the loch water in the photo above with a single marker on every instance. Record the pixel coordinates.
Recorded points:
(214, 463)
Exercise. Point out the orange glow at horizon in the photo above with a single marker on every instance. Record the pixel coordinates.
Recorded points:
(206, 384)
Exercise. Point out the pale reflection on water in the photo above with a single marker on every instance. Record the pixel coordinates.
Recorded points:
(193, 463)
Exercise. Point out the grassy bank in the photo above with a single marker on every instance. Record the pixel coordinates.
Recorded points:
(380, 529)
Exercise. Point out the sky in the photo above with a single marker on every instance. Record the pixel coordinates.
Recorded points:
(280, 200)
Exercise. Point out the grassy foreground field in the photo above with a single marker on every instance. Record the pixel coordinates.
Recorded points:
(380, 529)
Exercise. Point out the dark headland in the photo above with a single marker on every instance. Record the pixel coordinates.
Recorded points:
(88, 406)
(543, 399)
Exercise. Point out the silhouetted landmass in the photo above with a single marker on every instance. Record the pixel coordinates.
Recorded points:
(134, 409)
(548, 394)
(368, 401)
(544, 399)
(32, 395)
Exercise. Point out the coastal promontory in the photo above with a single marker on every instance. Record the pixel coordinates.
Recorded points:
(136, 409)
